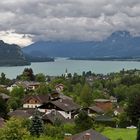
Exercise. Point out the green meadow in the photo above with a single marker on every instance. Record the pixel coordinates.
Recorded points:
(120, 134)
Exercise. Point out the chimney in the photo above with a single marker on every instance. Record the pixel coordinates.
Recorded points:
(87, 136)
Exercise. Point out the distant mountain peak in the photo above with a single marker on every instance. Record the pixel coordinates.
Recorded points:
(119, 43)
(120, 34)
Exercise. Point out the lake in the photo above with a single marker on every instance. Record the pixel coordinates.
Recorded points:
(60, 65)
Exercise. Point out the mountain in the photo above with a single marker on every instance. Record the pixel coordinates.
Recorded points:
(118, 44)
(11, 55)
(31, 58)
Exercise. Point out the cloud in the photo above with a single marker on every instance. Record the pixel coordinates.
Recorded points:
(67, 19)
(15, 38)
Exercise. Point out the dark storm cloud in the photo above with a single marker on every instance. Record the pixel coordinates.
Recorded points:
(69, 19)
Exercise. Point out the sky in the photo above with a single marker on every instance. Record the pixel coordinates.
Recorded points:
(26, 21)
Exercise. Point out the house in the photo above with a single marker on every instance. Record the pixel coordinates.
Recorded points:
(10, 88)
(94, 110)
(113, 99)
(4, 96)
(20, 113)
(33, 101)
(28, 85)
(87, 135)
(105, 120)
(3, 86)
(55, 117)
(59, 87)
(65, 107)
(24, 113)
(105, 104)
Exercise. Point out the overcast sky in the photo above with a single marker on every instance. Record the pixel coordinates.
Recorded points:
(26, 21)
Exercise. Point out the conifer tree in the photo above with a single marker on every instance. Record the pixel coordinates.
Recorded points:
(36, 127)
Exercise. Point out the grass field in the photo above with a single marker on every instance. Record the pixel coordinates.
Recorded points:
(120, 134)
(111, 133)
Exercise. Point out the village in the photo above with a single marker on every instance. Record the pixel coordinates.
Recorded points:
(58, 104)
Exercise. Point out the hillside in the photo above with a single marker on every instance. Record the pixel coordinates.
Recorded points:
(11, 55)
(118, 44)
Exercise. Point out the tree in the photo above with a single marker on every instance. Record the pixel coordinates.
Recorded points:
(86, 95)
(98, 94)
(13, 130)
(83, 121)
(18, 92)
(2, 79)
(54, 131)
(16, 96)
(134, 103)
(40, 77)
(138, 131)
(43, 89)
(121, 92)
(36, 128)
(3, 108)
(123, 120)
(27, 75)
(13, 103)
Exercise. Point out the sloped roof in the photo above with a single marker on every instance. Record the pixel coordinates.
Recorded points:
(20, 113)
(4, 96)
(62, 104)
(104, 118)
(27, 83)
(41, 98)
(96, 109)
(94, 135)
(113, 98)
(66, 104)
(54, 115)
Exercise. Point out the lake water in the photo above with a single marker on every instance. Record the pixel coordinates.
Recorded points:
(60, 65)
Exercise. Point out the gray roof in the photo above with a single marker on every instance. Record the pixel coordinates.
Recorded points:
(21, 113)
(62, 104)
(41, 98)
(66, 104)
(4, 96)
(104, 118)
(27, 83)
(54, 115)
(96, 109)
(94, 135)
(113, 98)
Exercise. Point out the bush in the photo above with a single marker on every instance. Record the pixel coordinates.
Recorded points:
(54, 131)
